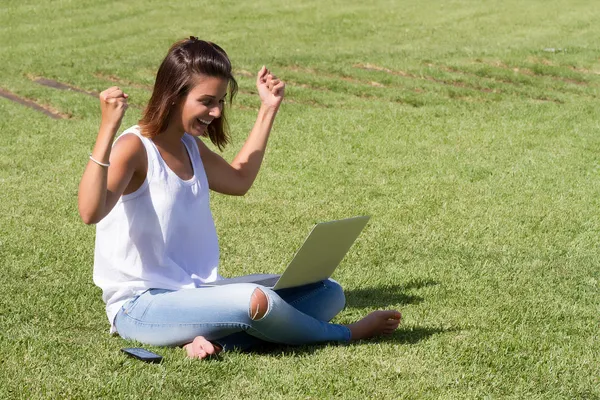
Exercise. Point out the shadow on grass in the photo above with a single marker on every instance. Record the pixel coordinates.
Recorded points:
(412, 335)
(419, 283)
(385, 296)
(367, 297)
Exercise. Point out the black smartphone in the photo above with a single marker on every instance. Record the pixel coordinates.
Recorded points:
(142, 354)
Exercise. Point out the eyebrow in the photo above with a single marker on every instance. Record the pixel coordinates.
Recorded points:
(211, 96)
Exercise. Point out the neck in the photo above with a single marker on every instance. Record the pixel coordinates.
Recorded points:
(170, 137)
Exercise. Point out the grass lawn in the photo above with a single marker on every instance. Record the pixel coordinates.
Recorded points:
(468, 130)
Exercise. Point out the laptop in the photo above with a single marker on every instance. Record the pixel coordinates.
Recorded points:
(317, 258)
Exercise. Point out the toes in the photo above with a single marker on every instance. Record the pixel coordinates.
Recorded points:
(197, 345)
(199, 348)
(393, 317)
(389, 314)
(207, 346)
(396, 315)
(193, 351)
(390, 326)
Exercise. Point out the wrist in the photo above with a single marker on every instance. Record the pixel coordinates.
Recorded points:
(109, 128)
(110, 124)
(269, 109)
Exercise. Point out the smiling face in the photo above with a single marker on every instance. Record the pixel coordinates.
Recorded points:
(203, 104)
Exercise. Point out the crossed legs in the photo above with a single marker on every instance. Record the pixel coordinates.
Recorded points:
(244, 315)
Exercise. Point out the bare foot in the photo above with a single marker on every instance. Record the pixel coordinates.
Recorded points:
(201, 348)
(375, 324)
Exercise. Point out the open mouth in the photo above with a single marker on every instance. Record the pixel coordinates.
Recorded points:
(203, 122)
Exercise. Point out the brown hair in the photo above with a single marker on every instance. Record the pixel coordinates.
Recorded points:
(175, 78)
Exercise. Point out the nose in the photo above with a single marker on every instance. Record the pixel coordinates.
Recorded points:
(216, 111)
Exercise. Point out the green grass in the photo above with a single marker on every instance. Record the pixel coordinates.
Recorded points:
(473, 146)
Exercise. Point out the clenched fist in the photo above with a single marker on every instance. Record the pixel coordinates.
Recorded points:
(113, 103)
(270, 88)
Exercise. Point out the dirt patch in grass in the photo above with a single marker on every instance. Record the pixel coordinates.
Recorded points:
(306, 86)
(286, 99)
(344, 78)
(540, 60)
(463, 85)
(518, 85)
(121, 81)
(456, 70)
(296, 68)
(44, 109)
(244, 73)
(532, 73)
(358, 81)
(373, 67)
(247, 92)
(239, 106)
(546, 100)
(61, 86)
(471, 86)
(584, 71)
(310, 103)
(469, 99)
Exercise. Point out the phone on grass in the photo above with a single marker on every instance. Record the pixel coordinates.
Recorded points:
(142, 354)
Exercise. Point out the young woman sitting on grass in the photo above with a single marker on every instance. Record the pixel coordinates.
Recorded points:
(156, 243)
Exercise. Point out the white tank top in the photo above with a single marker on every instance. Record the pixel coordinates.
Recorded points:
(160, 236)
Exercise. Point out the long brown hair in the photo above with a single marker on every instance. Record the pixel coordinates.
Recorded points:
(175, 78)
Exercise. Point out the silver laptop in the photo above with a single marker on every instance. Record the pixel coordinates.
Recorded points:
(321, 253)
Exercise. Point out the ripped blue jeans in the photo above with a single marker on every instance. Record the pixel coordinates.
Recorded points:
(221, 314)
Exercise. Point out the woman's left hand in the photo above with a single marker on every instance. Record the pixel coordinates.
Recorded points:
(270, 89)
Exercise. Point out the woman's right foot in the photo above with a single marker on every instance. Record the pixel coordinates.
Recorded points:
(201, 348)
(375, 324)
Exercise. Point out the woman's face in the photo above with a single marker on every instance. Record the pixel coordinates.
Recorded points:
(203, 103)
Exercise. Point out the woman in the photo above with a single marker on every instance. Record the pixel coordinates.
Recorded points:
(156, 242)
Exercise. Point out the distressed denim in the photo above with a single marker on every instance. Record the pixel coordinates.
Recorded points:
(221, 314)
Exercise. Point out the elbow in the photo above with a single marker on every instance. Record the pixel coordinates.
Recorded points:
(88, 218)
(240, 191)
(89, 212)
(241, 185)
(241, 188)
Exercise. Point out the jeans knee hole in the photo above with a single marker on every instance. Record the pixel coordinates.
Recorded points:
(259, 304)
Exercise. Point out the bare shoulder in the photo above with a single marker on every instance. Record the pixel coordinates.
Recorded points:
(207, 155)
(129, 149)
(203, 148)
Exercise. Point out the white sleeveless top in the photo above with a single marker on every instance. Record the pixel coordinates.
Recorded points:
(160, 236)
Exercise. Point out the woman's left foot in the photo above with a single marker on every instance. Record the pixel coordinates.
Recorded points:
(201, 348)
(382, 322)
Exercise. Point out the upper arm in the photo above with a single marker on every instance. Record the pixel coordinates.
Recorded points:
(128, 165)
(222, 176)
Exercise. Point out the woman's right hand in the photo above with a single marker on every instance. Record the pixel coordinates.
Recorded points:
(113, 103)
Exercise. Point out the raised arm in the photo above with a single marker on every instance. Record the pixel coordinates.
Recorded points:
(102, 185)
(237, 177)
